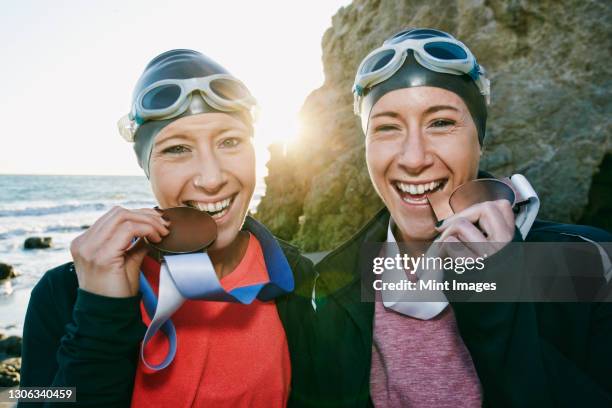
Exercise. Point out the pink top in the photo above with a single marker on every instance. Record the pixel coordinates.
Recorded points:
(421, 363)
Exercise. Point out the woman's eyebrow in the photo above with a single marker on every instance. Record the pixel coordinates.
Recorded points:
(436, 108)
(386, 113)
(225, 129)
(180, 136)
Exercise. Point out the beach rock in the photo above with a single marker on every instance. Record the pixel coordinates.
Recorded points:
(550, 117)
(10, 372)
(84, 226)
(7, 271)
(10, 346)
(10, 360)
(37, 242)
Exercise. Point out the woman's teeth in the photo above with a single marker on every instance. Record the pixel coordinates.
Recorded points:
(418, 188)
(219, 214)
(215, 210)
(416, 193)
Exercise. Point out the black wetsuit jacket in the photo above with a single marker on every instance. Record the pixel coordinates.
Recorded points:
(91, 342)
(525, 354)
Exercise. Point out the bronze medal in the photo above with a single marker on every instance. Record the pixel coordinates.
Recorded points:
(470, 193)
(478, 191)
(191, 230)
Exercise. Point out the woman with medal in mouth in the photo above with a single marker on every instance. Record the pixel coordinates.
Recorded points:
(422, 100)
(192, 128)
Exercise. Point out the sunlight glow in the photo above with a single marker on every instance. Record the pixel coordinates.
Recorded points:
(69, 71)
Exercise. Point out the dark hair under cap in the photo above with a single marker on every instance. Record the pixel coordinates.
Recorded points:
(173, 64)
(412, 74)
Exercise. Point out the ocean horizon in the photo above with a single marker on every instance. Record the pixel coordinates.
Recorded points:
(60, 207)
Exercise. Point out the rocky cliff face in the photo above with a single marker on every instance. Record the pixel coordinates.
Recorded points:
(550, 117)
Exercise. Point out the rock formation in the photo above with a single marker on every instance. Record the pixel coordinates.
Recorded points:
(550, 117)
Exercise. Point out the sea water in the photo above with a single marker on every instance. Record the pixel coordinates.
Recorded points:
(60, 207)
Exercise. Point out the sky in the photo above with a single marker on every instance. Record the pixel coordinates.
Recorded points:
(68, 69)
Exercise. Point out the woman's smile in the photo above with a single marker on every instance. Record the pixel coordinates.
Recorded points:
(207, 162)
(218, 209)
(421, 142)
(414, 193)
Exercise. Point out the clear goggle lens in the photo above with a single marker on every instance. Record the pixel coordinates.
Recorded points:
(164, 96)
(377, 61)
(445, 51)
(161, 97)
(229, 90)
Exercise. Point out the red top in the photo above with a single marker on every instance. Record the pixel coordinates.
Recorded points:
(228, 354)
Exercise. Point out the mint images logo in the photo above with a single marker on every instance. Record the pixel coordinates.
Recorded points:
(519, 272)
(427, 273)
(432, 285)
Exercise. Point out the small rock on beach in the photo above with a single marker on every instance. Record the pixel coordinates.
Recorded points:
(7, 271)
(10, 360)
(37, 242)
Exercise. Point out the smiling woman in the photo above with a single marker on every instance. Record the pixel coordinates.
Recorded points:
(237, 323)
(414, 146)
(208, 165)
(422, 100)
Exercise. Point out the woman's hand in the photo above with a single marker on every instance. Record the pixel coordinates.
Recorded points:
(105, 260)
(483, 228)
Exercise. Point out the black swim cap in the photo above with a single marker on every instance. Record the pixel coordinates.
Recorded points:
(412, 74)
(175, 64)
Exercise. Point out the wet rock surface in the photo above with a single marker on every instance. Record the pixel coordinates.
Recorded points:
(9, 372)
(7, 271)
(37, 243)
(10, 360)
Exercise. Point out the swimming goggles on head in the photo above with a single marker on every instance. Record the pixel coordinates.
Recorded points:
(433, 49)
(169, 98)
